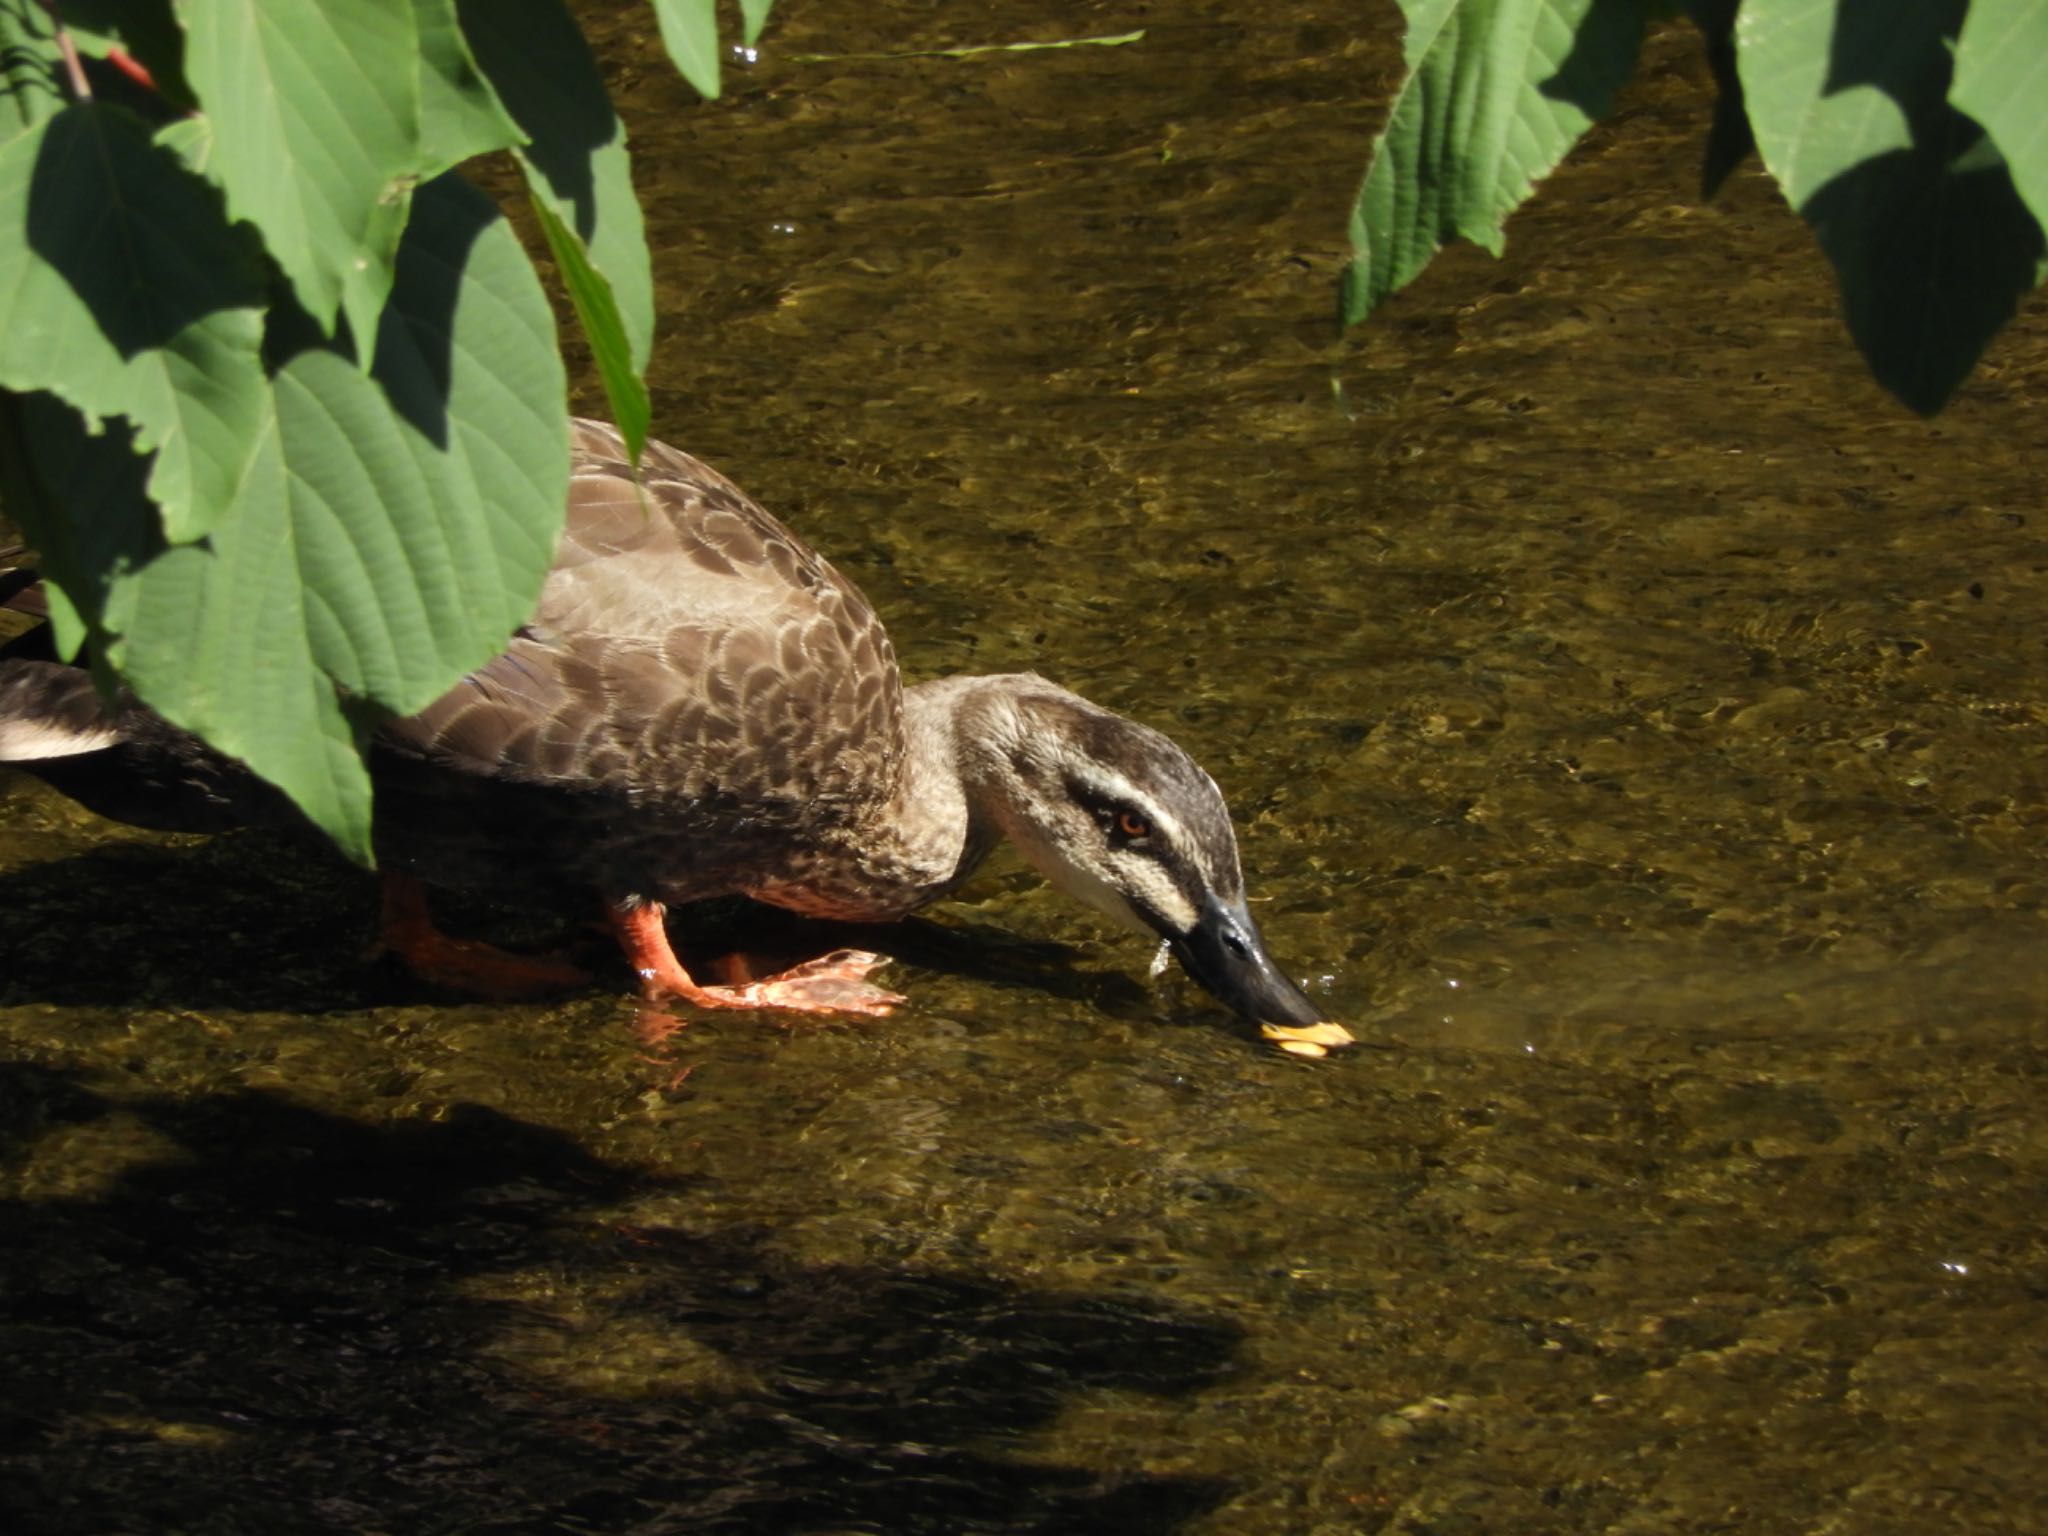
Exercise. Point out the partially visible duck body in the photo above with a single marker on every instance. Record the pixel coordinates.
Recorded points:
(701, 706)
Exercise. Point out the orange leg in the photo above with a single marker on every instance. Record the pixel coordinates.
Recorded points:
(465, 965)
(834, 983)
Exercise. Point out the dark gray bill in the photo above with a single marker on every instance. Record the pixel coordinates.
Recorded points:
(1226, 955)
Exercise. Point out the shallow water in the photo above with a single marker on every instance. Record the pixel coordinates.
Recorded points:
(1635, 724)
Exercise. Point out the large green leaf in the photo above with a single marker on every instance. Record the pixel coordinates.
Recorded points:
(467, 359)
(1496, 92)
(1909, 199)
(395, 530)
(576, 162)
(460, 115)
(214, 637)
(689, 31)
(2002, 82)
(124, 290)
(316, 111)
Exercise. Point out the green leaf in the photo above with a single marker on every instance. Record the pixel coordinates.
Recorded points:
(30, 67)
(179, 624)
(460, 115)
(1910, 200)
(214, 638)
(1496, 92)
(82, 558)
(467, 359)
(689, 31)
(317, 137)
(599, 315)
(576, 162)
(425, 499)
(753, 19)
(124, 290)
(190, 139)
(396, 526)
(2002, 82)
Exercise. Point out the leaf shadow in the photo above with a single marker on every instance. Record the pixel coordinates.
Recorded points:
(268, 1317)
(240, 921)
(1603, 52)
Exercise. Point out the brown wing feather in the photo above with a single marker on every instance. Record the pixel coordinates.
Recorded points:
(690, 657)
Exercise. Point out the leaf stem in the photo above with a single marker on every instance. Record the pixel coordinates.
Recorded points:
(73, 65)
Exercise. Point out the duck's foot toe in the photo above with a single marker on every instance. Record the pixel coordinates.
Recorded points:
(834, 983)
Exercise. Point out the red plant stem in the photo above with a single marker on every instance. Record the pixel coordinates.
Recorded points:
(132, 67)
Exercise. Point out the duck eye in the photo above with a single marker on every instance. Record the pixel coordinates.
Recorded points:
(1131, 827)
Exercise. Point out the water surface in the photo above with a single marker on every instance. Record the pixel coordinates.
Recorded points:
(1635, 725)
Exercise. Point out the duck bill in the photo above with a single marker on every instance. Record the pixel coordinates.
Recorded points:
(1225, 954)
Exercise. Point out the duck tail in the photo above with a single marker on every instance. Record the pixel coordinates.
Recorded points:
(50, 710)
(47, 709)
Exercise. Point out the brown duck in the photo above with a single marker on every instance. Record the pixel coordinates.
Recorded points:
(702, 706)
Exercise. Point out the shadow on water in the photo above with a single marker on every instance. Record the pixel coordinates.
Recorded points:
(257, 921)
(272, 1318)
(237, 922)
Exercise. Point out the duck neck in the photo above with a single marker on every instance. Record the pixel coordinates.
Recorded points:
(948, 810)
(931, 831)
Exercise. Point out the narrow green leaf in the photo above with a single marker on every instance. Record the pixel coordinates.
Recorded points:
(689, 31)
(1910, 200)
(460, 115)
(316, 109)
(576, 162)
(753, 19)
(2002, 82)
(599, 315)
(124, 290)
(1496, 92)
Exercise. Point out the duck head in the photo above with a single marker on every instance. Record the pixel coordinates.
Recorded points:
(1119, 817)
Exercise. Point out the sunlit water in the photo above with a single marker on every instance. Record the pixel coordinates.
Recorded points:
(1635, 723)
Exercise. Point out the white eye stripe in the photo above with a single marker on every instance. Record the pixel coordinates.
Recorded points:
(1114, 789)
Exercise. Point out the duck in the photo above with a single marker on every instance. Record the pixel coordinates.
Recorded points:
(702, 706)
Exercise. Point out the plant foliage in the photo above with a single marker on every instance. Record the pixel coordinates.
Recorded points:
(1908, 133)
(281, 399)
